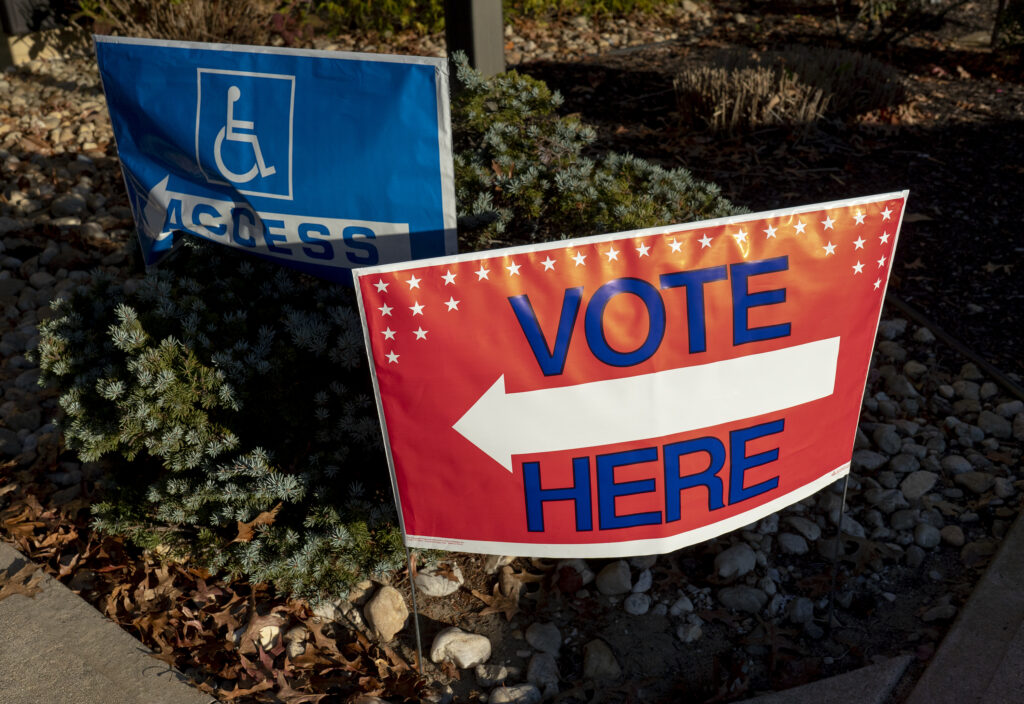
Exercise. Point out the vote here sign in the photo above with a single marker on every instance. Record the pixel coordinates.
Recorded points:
(319, 160)
(630, 393)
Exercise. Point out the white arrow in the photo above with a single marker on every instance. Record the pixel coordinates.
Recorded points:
(654, 405)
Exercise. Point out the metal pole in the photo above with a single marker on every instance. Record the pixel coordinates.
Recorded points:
(835, 555)
(477, 28)
(415, 612)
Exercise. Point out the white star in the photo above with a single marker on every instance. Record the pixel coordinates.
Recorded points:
(385, 309)
(481, 273)
(829, 249)
(389, 334)
(770, 232)
(675, 245)
(549, 264)
(886, 213)
(858, 243)
(858, 268)
(878, 283)
(579, 258)
(413, 282)
(740, 236)
(881, 262)
(859, 217)
(612, 254)
(449, 277)
(392, 357)
(828, 222)
(884, 237)
(420, 334)
(381, 286)
(800, 227)
(643, 249)
(452, 303)
(705, 241)
(513, 269)
(416, 308)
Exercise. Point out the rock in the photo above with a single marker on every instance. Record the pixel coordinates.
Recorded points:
(580, 567)
(1003, 488)
(438, 579)
(801, 611)
(368, 699)
(599, 663)
(868, 460)
(939, 613)
(905, 463)
(736, 561)
(517, 694)
(995, 425)
(689, 632)
(976, 552)
(488, 675)
(643, 582)
(805, 527)
(886, 440)
(681, 606)
(927, 536)
(924, 335)
(67, 205)
(493, 563)
(637, 604)
(914, 556)
(464, 649)
(386, 613)
(955, 464)
(886, 500)
(891, 329)
(542, 671)
(967, 390)
(743, 598)
(953, 535)
(614, 578)
(267, 637)
(852, 527)
(1018, 427)
(917, 484)
(914, 369)
(10, 443)
(643, 562)
(792, 544)
(544, 637)
(975, 482)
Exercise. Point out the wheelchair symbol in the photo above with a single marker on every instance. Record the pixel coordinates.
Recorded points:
(231, 132)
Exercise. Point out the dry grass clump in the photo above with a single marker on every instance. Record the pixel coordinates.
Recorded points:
(228, 21)
(737, 92)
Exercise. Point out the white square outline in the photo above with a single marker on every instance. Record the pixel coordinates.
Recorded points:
(291, 126)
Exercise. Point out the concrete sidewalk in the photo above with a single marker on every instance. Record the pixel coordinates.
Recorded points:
(56, 648)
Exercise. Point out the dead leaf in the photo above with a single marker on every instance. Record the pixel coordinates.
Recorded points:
(246, 531)
(25, 581)
(498, 603)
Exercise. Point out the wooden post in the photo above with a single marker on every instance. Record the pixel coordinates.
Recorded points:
(477, 28)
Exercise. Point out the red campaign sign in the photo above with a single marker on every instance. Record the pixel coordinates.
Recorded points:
(631, 393)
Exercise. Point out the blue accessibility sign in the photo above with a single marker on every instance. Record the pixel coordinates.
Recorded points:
(324, 161)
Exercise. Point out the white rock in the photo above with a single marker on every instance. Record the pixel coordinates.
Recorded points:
(735, 561)
(689, 632)
(433, 580)
(637, 604)
(542, 670)
(614, 578)
(464, 649)
(386, 613)
(544, 637)
(805, 527)
(488, 675)
(268, 636)
(643, 582)
(599, 662)
(643, 562)
(917, 484)
(792, 544)
(519, 694)
(682, 605)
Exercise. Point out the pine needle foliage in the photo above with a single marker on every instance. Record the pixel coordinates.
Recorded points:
(523, 174)
(233, 389)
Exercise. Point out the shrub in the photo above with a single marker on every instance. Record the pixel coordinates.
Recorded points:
(738, 91)
(237, 390)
